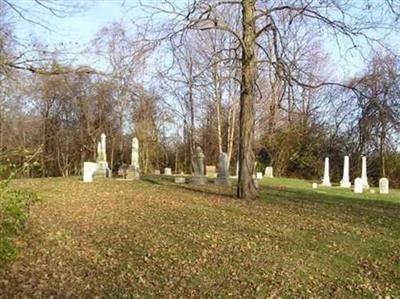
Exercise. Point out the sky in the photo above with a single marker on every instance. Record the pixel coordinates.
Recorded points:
(80, 27)
(75, 31)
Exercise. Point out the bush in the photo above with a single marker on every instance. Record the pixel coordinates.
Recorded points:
(13, 213)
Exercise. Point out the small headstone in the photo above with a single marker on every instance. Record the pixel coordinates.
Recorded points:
(326, 182)
(211, 171)
(157, 172)
(358, 185)
(268, 173)
(179, 180)
(259, 175)
(89, 169)
(314, 185)
(223, 171)
(198, 166)
(167, 171)
(384, 186)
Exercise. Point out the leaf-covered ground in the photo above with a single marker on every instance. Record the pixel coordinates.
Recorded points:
(154, 239)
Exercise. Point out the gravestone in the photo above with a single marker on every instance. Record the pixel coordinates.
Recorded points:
(89, 169)
(198, 166)
(211, 171)
(259, 175)
(326, 182)
(345, 182)
(134, 169)
(167, 171)
(358, 185)
(268, 173)
(364, 176)
(237, 169)
(102, 164)
(223, 171)
(157, 172)
(179, 180)
(384, 186)
(314, 185)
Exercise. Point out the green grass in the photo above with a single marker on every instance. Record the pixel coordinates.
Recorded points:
(152, 238)
(13, 209)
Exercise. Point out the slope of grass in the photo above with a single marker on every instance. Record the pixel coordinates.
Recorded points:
(153, 238)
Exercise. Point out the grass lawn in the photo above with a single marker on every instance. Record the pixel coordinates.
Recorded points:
(152, 238)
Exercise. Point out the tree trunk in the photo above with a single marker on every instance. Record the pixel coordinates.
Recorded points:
(246, 188)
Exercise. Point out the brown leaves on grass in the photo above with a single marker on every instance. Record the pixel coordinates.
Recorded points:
(136, 239)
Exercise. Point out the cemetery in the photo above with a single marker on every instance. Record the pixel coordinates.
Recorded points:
(199, 149)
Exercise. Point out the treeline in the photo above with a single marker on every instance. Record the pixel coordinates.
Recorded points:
(52, 113)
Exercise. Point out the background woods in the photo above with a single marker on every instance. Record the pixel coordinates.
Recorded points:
(192, 81)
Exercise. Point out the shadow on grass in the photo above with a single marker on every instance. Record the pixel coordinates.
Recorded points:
(301, 196)
(209, 188)
(292, 195)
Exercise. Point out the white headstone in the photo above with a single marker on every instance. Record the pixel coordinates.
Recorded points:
(167, 171)
(102, 164)
(345, 182)
(326, 181)
(384, 186)
(157, 172)
(269, 172)
(135, 153)
(88, 170)
(98, 158)
(103, 147)
(259, 175)
(314, 185)
(364, 176)
(358, 185)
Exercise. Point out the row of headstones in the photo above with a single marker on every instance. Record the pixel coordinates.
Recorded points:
(222, 177)
(360, 183)
(100, 167)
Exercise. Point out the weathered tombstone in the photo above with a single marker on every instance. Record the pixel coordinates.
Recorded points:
(345, 182)
(384, 186)
(102, 164)
(364, 176)
(211, 171)
(314, 185)
(259, 175)
(157, 172)
(88, 170)
(134, 169)
(179, 180)
(198, 166)
(358, 185)
(326, 182)
(269, 172)
(223, 171)
(167, 171)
